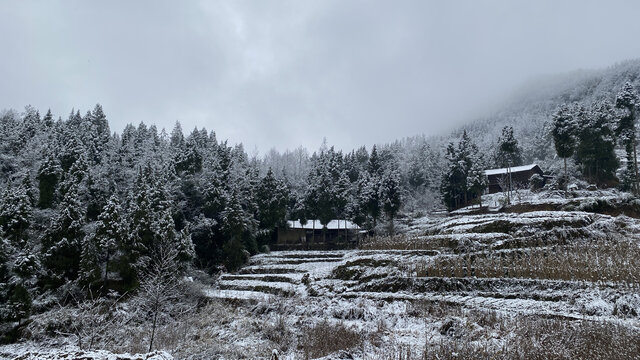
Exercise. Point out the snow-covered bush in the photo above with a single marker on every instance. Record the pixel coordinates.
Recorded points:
(536, 182)
(595, 305)
(628, 305)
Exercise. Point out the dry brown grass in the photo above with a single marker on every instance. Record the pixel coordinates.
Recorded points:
(528, 338)
(404, 242)
(325, 338)
(602, 261)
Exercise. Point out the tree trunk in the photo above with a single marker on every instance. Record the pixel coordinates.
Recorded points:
(565, 178)
(346, 231)
(465, 198)
(106, 270)
(635, 166)
(510, 184)
(153, 328)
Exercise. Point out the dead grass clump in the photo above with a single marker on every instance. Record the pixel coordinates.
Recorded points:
(326, 338)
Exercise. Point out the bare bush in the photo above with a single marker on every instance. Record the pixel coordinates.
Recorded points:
(279, 333)
(325, 338)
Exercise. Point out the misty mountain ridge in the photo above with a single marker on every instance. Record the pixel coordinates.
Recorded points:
(531, 105)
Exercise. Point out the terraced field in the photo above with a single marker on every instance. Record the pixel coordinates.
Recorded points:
(573, 269)
(474, 268)
(547, 284)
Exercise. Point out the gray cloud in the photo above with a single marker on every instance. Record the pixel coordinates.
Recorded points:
(288, 73)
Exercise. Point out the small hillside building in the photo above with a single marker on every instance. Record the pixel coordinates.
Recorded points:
(517, 176)
(338, 234)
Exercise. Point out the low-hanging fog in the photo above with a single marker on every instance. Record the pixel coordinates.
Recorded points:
(288, 73)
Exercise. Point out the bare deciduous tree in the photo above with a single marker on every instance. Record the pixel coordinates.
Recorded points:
(159, 287)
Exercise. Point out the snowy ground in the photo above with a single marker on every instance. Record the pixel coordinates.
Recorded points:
(36, 351)
(554, 199)
(368, 290)
(394, 298)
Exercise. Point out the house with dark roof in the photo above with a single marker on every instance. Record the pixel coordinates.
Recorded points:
(312, 235)
(515, 177)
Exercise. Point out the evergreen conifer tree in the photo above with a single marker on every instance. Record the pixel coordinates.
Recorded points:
(455, 187)
(390, 194)
(626, 103)
(272, 199)
(508, 152)
(564, 135)
(15, 213)
(48, 177)
(62, 243)
(595, 150)
(110, 234)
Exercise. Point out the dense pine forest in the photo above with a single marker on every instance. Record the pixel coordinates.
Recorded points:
(85, 208)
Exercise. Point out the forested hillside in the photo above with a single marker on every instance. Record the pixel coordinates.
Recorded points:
(528, 110)
(87, 207)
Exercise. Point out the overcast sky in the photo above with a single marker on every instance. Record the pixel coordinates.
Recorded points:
(288, 73)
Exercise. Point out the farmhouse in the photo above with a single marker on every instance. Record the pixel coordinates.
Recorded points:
(517, 176)
(338, 234)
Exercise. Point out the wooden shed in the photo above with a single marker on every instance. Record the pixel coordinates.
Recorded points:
(517, 176)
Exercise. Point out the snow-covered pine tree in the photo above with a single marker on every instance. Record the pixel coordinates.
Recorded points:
(369, 199)
(564, 135)
(76, 175)
(48, 177)
(100, 127)
(595, 149)
(319, 195)
(26, 265)
(110, 235)
(374, 166)
(272, 198)
(5, 273)
(236, 228)
(627, 102)
(417, 172)
(89, 273)
(390, 195)
(151, 225)
(19, 303)
(31, 125)
(355, 210)
(72, 149)
(15, 213)
(62, 242)
(454, 186)
(508, 152)
(342, 191)
(47, 120)
(188, 157)
(177, 137)
(476, 179)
